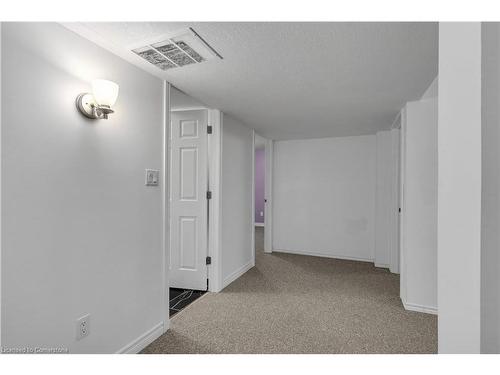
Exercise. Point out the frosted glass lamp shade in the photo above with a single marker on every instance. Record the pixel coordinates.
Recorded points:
(105, 92)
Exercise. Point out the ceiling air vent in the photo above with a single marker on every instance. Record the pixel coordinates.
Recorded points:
(182, 48)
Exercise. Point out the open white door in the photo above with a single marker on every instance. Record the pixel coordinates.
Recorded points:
(188, 189)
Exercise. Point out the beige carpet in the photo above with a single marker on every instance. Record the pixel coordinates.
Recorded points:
(301, 304)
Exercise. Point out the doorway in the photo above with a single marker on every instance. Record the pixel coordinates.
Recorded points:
(259, 191)
(263, 162)
(188, 155)
(260, 181)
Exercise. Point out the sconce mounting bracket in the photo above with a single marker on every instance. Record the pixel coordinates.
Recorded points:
(86, 105)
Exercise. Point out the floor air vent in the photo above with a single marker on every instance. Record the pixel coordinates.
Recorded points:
(185, 47)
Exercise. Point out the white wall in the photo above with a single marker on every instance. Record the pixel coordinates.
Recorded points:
(384, 207)
(181, 101)
(432, 91)
(490, 207)
(237, 199)
(387, 200)
(419, 208)
(459, 187)
(324, 197)
(81, 232)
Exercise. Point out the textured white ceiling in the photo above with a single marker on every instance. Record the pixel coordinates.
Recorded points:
(296, 80)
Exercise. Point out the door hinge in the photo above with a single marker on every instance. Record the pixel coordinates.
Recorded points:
(209, 129)
(208, 260)
(209, 195)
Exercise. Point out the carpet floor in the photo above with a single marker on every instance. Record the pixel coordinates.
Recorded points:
(301, 304)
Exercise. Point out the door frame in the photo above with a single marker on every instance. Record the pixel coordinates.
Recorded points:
(394, 264)
(252, 221)
(395, 251)
(268, 193)
(165, 194)
(402, 205)
(215, 119)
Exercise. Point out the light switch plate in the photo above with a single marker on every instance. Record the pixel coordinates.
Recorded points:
(152, 177)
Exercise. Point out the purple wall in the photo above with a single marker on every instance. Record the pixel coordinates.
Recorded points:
(260, 160)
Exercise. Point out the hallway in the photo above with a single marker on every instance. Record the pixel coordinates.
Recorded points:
(301, 304)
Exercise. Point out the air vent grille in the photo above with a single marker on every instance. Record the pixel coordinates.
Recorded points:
(180, 49)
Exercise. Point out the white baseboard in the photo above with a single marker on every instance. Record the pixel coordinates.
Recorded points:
(236, 274)
(323, 255)
(381, 265)
(142, 341)
(259, 225)
(420, 308)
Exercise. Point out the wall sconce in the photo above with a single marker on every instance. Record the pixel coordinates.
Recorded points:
(98, 104)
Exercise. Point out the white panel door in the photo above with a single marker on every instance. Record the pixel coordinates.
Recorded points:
(188, 187)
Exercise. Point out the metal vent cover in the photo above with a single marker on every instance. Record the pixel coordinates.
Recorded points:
(178, 49)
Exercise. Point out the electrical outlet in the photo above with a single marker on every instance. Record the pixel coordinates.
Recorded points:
(82, 327)
(261, 213)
